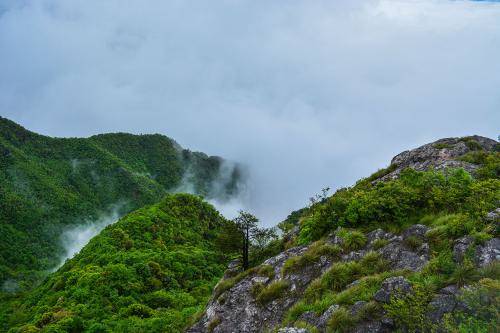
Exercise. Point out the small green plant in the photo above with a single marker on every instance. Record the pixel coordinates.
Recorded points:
(481, 237)
(266, 270)
(340, 275)
(257, 289)
(312, 255)
(379, 243)
(229, 283)
(272, 291)
(213, 324)
(464, 273)
(370, 310)
(373, 262)
(409, 311)
(413, 242)
(352, 239)
(340, 321)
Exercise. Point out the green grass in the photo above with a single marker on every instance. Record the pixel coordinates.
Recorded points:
(352, 239)
(340, 321)
(272, 291)
(311, 256)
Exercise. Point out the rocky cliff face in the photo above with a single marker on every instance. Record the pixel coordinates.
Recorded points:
(270, 297)
(238, 310)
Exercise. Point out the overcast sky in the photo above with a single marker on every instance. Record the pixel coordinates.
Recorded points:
(307, 93)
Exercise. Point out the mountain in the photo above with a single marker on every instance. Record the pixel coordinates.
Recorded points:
(413, 248)
(50, 185)
(151, 271)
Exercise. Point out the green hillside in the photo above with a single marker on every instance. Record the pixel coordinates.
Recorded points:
(149, 272)
(48, 184)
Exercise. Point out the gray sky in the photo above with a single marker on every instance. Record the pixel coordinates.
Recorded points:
(307, 93)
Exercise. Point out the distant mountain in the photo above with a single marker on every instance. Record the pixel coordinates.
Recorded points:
(50, 184)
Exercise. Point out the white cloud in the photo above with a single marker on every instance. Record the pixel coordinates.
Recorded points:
(308, 93)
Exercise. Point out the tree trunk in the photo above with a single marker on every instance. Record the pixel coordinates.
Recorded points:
(245, 250)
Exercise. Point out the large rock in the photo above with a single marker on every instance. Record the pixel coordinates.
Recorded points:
(461, 246)
(416, 230)
(401, 257)
(483, 254)
(444, 302)
(237, 309)
(493, 216)
(393, 287)
(441, 154)
(319, 322)
(487, 253)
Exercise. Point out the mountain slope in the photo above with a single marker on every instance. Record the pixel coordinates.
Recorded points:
(402, 250)
(49, 184)
(149, 272)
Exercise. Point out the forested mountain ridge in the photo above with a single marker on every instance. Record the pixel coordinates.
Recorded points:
(414, 247)
(49, 184)
(151, 271)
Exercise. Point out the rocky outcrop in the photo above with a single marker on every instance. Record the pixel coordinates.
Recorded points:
(444, 302)
(237, 310)
(483, 255)
(392, 287)
(438, 155)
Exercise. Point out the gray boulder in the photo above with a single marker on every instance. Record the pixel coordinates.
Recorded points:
(416, 230)
(460, 248)
(487, 253)
(393, 287)
(400, 257)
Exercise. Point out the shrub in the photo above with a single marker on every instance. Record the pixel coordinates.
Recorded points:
(341, 320)
(482, 300)
(369, 311)
(409, 311)
(464, 273)
(481, 237)
(471, 143)
(340, 275)
(272, 291)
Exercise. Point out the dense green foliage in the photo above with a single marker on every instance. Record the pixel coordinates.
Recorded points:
(149, 272)
(400, 202)
(48, 184)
